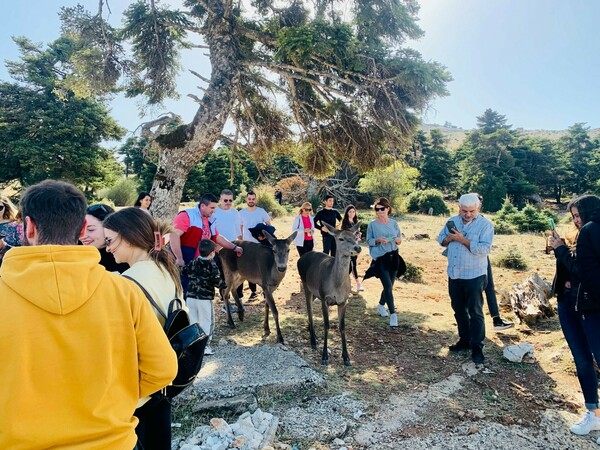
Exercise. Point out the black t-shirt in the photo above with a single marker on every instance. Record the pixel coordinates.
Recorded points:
(328, 216)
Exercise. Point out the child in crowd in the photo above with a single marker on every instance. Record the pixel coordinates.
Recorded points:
(204, 278)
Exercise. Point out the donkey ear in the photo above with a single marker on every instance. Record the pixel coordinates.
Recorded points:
(290, 239)
(331, 229)
(268, 236)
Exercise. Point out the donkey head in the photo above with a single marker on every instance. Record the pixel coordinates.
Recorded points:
(281, 249)
(345, 241)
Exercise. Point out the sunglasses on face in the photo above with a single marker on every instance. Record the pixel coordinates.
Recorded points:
(109, 241)
(380, 208)
(307, 209)
(227, 200)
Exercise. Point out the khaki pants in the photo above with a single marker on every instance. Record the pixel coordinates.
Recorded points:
(202, 312)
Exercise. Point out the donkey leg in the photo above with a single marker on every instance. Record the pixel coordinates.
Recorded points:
(266, 320)
(238, 304)
(273, 307)
(309, 310)
(325, 354)
(227, 311)
(342, 326)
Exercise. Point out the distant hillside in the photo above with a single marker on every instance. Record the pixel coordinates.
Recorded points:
(457, 135)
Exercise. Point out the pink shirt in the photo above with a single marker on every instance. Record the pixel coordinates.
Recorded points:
(307, 224)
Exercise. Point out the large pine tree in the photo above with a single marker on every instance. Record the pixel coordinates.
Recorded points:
(331, 79)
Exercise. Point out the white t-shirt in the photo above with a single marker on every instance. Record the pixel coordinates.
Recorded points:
(252, 218)
(227, 223)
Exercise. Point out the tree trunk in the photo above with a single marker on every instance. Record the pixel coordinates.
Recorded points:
(530, 300)
(184, 147)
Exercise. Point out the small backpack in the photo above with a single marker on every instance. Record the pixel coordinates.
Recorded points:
(188, 341)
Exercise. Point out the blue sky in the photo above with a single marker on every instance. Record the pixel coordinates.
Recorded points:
(535, 61)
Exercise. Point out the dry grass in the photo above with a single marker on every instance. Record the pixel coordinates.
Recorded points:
(414, 355)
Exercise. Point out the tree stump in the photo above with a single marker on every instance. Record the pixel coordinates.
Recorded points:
(530, 300)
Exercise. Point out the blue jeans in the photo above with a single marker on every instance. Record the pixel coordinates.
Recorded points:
(582, 332)
(466, 297)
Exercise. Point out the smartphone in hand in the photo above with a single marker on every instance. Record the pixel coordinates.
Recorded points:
(450, 225)
(552, 225)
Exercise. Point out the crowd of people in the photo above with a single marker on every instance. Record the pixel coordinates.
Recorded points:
(84, 341)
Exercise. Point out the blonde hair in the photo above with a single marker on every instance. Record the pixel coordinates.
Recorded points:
(304, 205)
(9, 212)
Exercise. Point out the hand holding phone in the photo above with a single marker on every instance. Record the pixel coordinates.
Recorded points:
(451, 226)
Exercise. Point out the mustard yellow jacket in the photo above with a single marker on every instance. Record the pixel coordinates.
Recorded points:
(79, 346)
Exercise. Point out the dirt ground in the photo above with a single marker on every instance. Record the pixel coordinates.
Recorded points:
(411, 357)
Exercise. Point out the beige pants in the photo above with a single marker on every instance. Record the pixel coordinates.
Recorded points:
(202, 312)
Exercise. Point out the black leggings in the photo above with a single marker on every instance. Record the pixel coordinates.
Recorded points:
(353, 270)
(307, 247)
(154, 429)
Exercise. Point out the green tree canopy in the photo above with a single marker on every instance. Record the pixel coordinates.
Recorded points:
(338, 82)
(46, 131)
(487, 165)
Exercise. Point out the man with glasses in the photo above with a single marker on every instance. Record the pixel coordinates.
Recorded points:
(81, 344)
(229, 224)
(190, 227)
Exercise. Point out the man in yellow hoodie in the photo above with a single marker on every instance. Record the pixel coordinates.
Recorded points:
(79, 345)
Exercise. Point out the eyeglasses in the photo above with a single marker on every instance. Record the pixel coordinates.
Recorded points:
(227, 200)
(98, 207)
(380, 208)
(109, 241)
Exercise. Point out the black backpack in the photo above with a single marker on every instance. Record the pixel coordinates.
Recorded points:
(188, 341)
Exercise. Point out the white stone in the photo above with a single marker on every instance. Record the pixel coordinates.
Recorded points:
(338, 441)
(516, 353)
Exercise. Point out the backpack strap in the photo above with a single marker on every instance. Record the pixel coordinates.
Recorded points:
(148, 296)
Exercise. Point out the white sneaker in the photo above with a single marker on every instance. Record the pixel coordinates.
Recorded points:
(208, 350)
(589, 423)
(393, 320)
(382, 311)
(359, 287)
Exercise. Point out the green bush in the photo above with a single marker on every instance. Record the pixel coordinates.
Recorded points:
(503, 227)
(528, 219)
(413, 274)
(123, 193)
(265, 199)
(316, 202)
(423, 201)
(511, 259)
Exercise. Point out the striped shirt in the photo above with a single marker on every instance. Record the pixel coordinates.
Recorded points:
(465, 264)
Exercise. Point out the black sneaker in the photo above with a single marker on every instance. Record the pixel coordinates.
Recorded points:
(477, 355)
(459, 346)
(253, 297)
(501, 324)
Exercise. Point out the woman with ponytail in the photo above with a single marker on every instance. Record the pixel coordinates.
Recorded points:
(135, 238)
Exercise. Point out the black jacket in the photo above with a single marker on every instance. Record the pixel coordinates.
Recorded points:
(588, 257)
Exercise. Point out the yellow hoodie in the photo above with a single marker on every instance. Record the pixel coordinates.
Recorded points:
(79, 347)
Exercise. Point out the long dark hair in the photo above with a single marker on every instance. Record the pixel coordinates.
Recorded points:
(346, 223)
(142, 196)
(586, 206)
(138, 228)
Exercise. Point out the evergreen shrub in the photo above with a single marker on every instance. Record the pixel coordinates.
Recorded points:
(422, 201)
(122, 193)
(511, 259)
